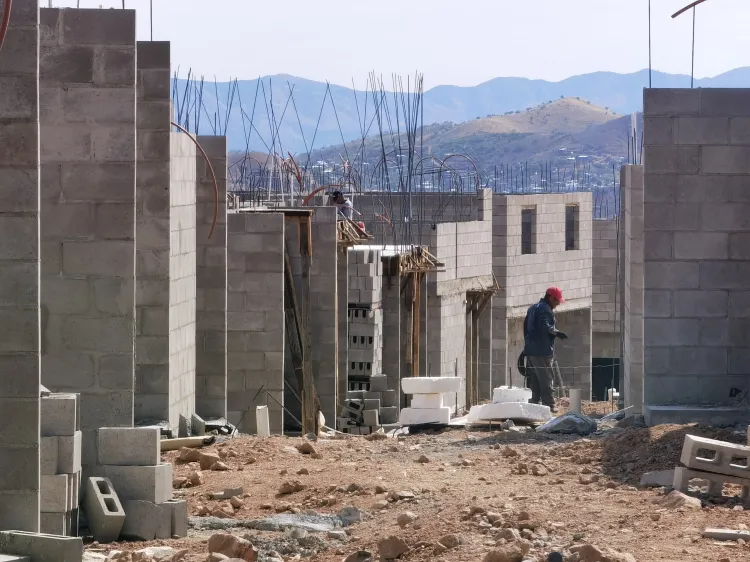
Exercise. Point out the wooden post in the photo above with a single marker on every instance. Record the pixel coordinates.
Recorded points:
(310, 404)
(415, 321)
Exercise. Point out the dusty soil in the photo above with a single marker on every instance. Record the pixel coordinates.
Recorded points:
(478, 471)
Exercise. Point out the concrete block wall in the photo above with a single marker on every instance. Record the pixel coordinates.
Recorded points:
(182, 278)
(342, 309)
(88, 154)
(631, 286)
(574, 354)
(697, 264)
(605, 295)
(525, 277)
(393, 327)
(19, 269)
(211, 259)
(255, 318)
(324, 301)
(152, 231)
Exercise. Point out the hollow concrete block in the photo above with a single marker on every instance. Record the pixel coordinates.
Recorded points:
(129, 446)
(146, 521)
(178, 516)
(53, 523)
(727, 458)
(54, 493)
(104, 511)
(69, 453)
(145, 483)
(41, 547)
(48, 456)
(59, 415)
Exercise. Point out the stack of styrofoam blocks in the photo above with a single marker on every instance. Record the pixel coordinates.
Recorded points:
(715, 462)
(130, 458)
(365, 276)
(60, 464)
(376, 408)
(429, 394)
(510, 404)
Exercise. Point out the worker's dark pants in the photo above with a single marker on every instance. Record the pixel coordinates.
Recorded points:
(542, 379)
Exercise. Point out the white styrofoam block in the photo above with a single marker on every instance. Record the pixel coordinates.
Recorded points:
(418, 416)
(519, 411)
(430, 385)
(427, 401)
(504, 394)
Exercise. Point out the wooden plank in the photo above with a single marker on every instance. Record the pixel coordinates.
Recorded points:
(416, 307)
(293, 321)
(310, 402)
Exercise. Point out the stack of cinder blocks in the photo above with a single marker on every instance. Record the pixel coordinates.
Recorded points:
(365, 352)
(366, 411)
(714, 462)
(365, 277)
(60, 464)
(130, 459)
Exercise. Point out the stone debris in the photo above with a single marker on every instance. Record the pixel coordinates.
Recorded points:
(404, 519)
(676, 500)
(188, 454)
(423, 459)
(291, 487)
(232, 547)
(207, 460)
(196, 478)
(392, 548)
(450, 541)
(220, 467)
(306, 448)
(359, 556)
(658, 479)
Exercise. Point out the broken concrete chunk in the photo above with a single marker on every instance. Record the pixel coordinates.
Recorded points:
(658, 478)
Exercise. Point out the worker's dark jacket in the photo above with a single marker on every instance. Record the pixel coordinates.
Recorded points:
(539, 331)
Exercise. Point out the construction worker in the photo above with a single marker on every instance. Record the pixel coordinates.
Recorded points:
(539, 334)
(343, 204)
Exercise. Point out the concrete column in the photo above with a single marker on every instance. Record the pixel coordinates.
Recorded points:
(182, 280)
(486, 370)
(631, 286)
(152, 232)
(696, 258)
(342, 294)
(211, 315)
(19, 271)
(392, 327)
(324, 300)
(574, 354)
(88, 151)
(255, 318)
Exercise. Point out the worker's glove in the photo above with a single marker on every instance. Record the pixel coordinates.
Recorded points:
(562, 335)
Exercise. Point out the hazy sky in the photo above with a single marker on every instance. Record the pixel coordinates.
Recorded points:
(452, 42)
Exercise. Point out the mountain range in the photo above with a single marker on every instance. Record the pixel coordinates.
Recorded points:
(317, 115)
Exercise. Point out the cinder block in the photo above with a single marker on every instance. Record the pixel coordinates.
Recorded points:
(372, 404)
(179, 517)
(69, 453)
(427, 401)
(418, 416)
(430, 385)
(59, 415)
(198, 425)
(48, 456)
(389, 415)
(54, 493)
(378, 383)
(41, 547)
(146, 521)
(103, 510)
(74, 490)
(371, 417)
(53, 524)
(728, 458)
(145, 483)
(129, 446)
(389, 398)
(683, 476)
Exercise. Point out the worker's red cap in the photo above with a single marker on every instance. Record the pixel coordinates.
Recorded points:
(557, 293)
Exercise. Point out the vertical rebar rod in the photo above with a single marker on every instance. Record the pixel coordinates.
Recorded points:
(151, 17)
(692, 58)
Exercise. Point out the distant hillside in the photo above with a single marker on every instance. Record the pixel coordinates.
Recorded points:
(555, 133)
(342, 113)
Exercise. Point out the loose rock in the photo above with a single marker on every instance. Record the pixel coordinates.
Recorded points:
(233, 547)
(450, 541)
(219, 467)
(391, 548)
(677, 499)
(290, 487)
(306, 448)
(196, 478)
(423, 459)
(405, 518)
(188, 454)
(359, 556)
(207, 460)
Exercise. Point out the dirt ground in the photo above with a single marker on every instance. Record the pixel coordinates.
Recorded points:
(466, 479)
